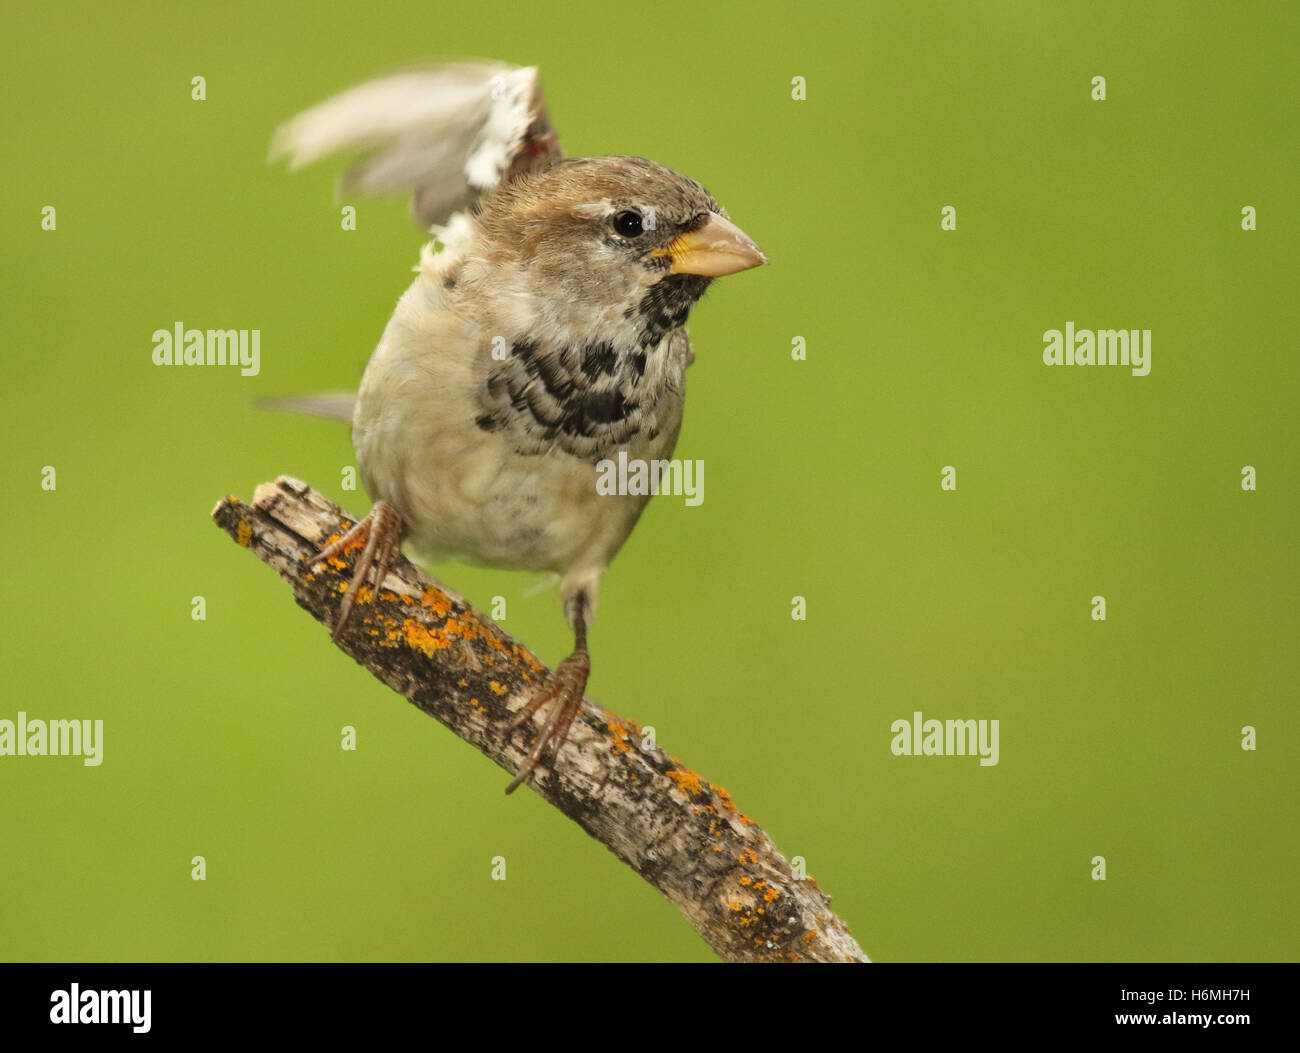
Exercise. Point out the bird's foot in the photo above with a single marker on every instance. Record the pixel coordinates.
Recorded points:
(381, 531)
(564, 688)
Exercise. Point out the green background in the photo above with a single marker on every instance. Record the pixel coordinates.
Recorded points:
(1119, 739)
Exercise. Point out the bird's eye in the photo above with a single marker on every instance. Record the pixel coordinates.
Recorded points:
(628, 224)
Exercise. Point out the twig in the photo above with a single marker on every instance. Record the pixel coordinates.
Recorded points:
(679, 832)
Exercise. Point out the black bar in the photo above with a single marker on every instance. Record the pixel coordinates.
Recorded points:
(509, 1002)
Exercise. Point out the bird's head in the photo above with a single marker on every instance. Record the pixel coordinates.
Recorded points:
(630, 242)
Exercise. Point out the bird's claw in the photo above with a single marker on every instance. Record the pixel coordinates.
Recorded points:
(564, 687)
(382, 532)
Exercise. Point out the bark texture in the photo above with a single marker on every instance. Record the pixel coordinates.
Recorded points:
(667, 822)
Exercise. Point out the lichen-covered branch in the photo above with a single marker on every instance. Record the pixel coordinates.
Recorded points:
(675, 829)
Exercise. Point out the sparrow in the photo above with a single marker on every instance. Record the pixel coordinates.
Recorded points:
(544, 333)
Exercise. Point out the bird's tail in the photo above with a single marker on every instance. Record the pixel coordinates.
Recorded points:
(332, 405)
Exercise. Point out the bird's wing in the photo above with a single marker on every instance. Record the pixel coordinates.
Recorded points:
(447, 134)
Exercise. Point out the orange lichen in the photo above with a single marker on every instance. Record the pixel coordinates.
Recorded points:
(529, 658)
(686, 780)
(364, 595)
(244, 533)
(493, 639)
(747, 856)
(745, 879)
(497, 689)
(726, 800)
(809, 936)
(620, 735)
(420, 639)
(436, 602)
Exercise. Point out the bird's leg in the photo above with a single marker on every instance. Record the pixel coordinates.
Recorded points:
(564, 687)
(382, 532)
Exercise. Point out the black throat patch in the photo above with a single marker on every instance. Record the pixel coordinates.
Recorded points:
(588, 401)
(593, 399)
(666, 306)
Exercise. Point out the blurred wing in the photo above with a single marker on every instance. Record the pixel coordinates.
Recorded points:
(446, 134)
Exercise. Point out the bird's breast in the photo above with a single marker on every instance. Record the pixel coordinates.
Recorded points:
(490, 449)
(588, 399)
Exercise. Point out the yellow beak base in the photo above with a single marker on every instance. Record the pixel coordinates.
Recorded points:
(713, 250)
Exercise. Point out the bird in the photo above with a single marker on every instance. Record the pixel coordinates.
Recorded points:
(544, 333)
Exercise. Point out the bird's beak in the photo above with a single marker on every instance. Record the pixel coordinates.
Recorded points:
(718, 247)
